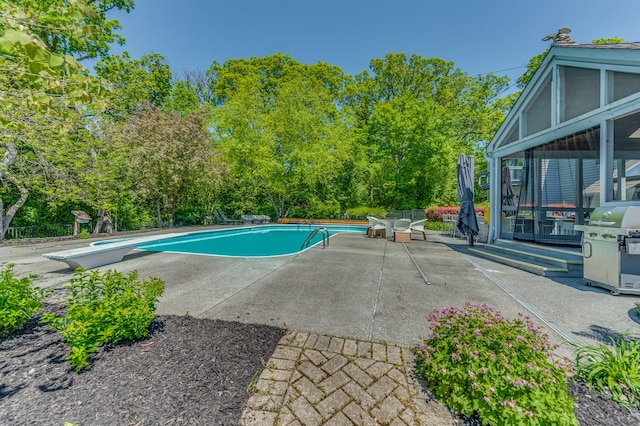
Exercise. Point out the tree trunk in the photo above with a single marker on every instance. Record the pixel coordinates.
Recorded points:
(273, 202)
(99, 221)
(158, 213)
(108, 224)
(11, 212)
(9, 157)
(281, 206)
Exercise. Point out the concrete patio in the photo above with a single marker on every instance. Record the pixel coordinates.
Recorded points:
(352, 309)
(358, 288)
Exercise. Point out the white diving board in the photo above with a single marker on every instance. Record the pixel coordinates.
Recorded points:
(102, 254)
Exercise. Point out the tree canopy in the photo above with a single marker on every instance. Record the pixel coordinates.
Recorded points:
(415, 112)
(45, 90)
(264, 135)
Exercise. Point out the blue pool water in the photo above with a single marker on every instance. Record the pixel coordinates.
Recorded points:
(255, 241)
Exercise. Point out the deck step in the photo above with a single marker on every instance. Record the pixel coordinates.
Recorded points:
(537, 259)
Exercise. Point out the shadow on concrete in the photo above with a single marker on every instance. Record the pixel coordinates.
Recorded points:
(604, 335)
(634, 315)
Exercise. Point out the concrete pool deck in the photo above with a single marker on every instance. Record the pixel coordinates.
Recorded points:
(361, 290)
(358, 287)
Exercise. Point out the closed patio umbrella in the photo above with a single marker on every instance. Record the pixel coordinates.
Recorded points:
(467, 220)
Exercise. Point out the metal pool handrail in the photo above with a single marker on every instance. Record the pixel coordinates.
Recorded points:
(325, 237)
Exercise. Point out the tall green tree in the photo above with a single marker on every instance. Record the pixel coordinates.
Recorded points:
(45, 89)
(184, 98)
(279, 125)
(532, 67)
(171, 157)
(404, 136)
(135, 83)
(415, 115)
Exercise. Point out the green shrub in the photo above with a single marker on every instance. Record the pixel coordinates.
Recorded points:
(18, 300)
(105, 308)
(84, 234)
(314, 209)
(298, 212)
(616, 369)
(435, 225)
(478, 362)
(320, 210)
(361, 213)
(191, 215)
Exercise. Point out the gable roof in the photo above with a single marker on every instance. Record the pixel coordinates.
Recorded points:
(635, 45)
(619, 56)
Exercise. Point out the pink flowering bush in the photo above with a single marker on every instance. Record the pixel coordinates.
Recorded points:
(502, 370)
(434, 214)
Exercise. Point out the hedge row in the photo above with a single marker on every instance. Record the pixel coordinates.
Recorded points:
(435, 213)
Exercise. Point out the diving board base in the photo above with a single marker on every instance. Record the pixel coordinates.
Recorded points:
(88, 260)
(103, 254)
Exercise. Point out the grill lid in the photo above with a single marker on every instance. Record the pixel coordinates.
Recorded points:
(625, 217)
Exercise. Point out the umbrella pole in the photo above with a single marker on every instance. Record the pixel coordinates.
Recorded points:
(472, 167)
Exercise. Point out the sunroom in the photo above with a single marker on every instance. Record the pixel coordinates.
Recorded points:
(571, 143)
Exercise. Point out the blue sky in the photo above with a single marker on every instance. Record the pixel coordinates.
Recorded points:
(498, 36)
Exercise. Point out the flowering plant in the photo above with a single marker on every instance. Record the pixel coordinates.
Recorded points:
(502, 370)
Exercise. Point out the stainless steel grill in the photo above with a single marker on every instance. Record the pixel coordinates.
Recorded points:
(611, 249)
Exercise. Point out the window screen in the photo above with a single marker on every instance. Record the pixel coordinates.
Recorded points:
(579, 91)
(624, 84)
(538, 116)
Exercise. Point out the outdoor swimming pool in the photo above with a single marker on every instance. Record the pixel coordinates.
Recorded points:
(254, 241)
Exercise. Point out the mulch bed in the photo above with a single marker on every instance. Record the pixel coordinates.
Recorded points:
(187, 371)
(595, 409)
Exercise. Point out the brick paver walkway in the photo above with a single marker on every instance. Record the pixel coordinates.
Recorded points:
(315, 379)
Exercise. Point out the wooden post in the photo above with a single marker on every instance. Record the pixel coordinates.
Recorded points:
(81, 217)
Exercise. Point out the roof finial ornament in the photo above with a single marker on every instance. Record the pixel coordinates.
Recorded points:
(561, 37)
